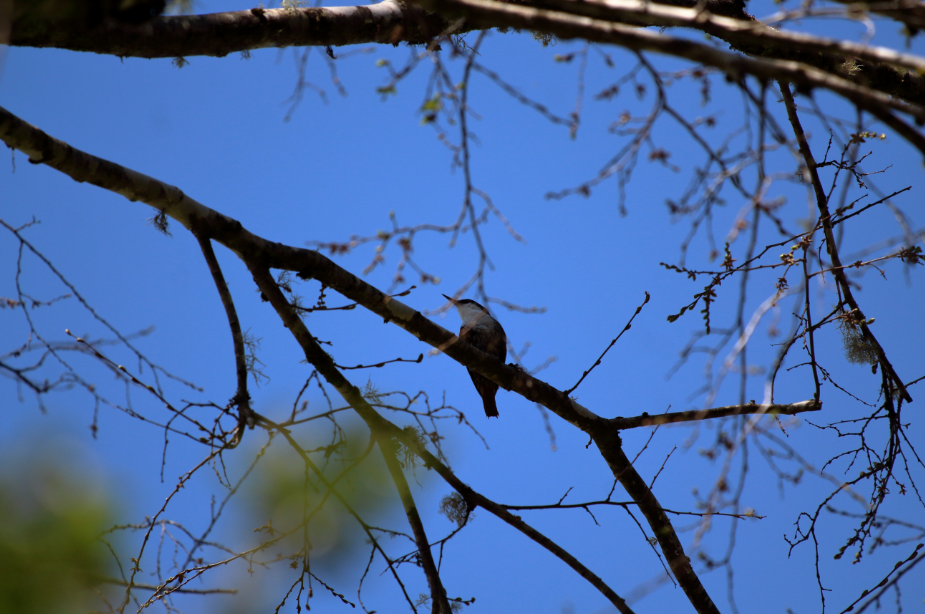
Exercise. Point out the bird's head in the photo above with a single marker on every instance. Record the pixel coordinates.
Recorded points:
(467, 308)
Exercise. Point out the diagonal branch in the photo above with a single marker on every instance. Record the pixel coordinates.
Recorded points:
(611, 448)
(384, 431)
(604, 353)
(330, 486)
(261, 254)
(487, 13)
(878, 67)
(438, 593)
(242, 397)
(174, 203)
(909, 12)
(476, 499)
(321, 361)
(825, 218)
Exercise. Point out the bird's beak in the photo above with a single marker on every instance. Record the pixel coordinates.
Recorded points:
(452, 300)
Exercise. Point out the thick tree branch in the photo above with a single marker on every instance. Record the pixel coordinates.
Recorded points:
(438, 593)
(610, 445)
(878, 68)
(909, 12)
(323, 362)
(242, 397)
(393, 22)
(220, 34)
(474, 498)
(260, 255)
(330, 486)
(487, 13)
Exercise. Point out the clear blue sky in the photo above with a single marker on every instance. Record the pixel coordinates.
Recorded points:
(216, 129)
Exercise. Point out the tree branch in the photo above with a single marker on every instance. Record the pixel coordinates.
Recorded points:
(476, 499)
(242, 397)
(825, 217)
(492, 13)
(909, 12)
(323, 362)
(607, 349)
(866, 65)
(261, 254)
(220, 34)
(716, 412)
(324, 480)
(151, 587)
(173, 202)
(393, 22)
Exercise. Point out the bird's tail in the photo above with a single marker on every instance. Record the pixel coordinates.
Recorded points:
(491, 408)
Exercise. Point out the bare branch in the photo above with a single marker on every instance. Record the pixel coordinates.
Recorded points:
(326, 367)
(716, 412)
(311, 264)
(220, 34)
(241, 397)
(909, 12)
(607, 349)
(831, 245)
(872, 64)
(188, 591)
(488, 13)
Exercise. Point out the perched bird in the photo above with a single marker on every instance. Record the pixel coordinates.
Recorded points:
(484, 332)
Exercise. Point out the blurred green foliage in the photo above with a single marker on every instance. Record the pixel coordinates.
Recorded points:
(288, 497)
(50, 520)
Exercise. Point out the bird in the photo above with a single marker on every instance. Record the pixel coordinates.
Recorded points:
(484, 332)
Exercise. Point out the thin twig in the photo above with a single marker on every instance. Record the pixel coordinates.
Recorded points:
(617, 338)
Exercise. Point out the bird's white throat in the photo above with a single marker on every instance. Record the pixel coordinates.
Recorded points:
(473, 316)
